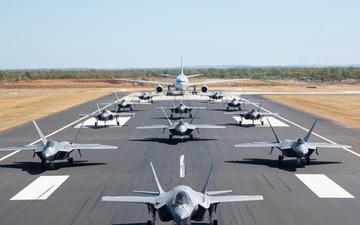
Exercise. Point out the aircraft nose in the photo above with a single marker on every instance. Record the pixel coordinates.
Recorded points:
(46, 153)
(182, 214)
(181, 129)
(301, 150)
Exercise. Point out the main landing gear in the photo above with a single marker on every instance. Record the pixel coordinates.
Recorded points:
(280, 159)
(71, 161)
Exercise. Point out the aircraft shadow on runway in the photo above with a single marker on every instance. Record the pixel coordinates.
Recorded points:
(34, 168)
(146, 223)
(103, 126)
(287, 165)
(173, 141)
(186, 118)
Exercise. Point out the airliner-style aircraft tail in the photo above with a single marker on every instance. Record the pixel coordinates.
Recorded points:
(306, 138)
(43, 138)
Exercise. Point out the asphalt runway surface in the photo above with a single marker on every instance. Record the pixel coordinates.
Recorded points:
(77, 200)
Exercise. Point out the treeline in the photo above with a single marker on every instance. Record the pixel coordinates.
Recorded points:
(323, 74)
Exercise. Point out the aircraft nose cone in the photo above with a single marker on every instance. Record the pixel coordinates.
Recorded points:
(301, 150)
(46, 153)
(182, 215)
(181, 129)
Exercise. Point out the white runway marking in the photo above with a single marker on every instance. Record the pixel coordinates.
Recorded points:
(274, 122)
(90, 123)
(182, 166)
(323, 186)
(41, 188)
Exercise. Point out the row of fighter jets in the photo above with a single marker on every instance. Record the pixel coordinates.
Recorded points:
(181, 204)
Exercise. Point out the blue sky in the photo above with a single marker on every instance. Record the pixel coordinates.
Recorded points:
(145, 34)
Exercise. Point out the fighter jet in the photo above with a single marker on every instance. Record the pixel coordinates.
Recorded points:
(122, 104)
(182, 204)
(107, 115)
(251, 115)
(181, 109)
(52, 150)
(181, 82)
(298, 148)
(180, 128)
(215, 96)
(146, 97)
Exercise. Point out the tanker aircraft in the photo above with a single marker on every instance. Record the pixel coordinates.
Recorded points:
(251, 115)
(181, 82)
(52, 150)
(180, 128)
(181, 109)
(107, 115)
(182, 204)
(298, 148)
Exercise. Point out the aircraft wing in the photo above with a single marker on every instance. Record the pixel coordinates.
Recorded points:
(153, 127)
(268, 114)
(24, 148)
(203, 108)
(130, 199)
(72, 146)
(234, 198)
(313, 145)
(145, 81)
(216, 81)
(236, 113)
(204, 126)
(124, 114)
(168, 107)
(92, 114)
(258, 144)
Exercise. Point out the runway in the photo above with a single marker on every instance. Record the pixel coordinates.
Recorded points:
(75, 196)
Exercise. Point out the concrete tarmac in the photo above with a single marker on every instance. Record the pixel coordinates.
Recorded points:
(287, 200)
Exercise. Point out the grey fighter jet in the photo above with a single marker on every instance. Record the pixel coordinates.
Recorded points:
(215, 96)
(182, 204)
(298, 148)
(52, 150)
(146, 97)
(251, 115)
(180, 128)
(122, 104)
(107, 115)
(181, 109)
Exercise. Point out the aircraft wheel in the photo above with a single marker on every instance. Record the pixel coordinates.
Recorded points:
(52, 166)
(152, 101)
(240, 123)
(171, 116)
(308, 160)
(71, 161)
(227, 108)
(280, 158)
(170, 136)
(118, 123)
(191, 136)
(262, 122)
(96, 124)
(43, 163)
(215, 222)
(130, 109)
(190, 115)
(149, 222)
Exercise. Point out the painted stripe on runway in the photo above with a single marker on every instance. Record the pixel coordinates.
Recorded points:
(313, 133)
(182, 166)
(90, 123)
(41, 188)
(323, 186)
(274, 122)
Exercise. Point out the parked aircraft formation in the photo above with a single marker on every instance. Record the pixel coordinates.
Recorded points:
(181, 204)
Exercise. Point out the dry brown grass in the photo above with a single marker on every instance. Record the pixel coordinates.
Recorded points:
(24, 101)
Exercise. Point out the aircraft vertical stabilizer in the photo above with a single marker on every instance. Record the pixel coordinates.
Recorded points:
(156, 179)
(306, 138)
(43, 138)
(203, 190)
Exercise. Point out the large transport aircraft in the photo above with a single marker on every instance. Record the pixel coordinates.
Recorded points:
(181, 82)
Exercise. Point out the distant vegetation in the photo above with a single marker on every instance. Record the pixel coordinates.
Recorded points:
(324, 74)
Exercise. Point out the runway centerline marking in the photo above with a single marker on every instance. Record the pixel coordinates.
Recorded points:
(323, 186)
(182, 166)
(41, 188)
(313, 133)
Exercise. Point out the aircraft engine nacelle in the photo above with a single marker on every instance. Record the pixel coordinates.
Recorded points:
(204, 88)
(159, 88)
